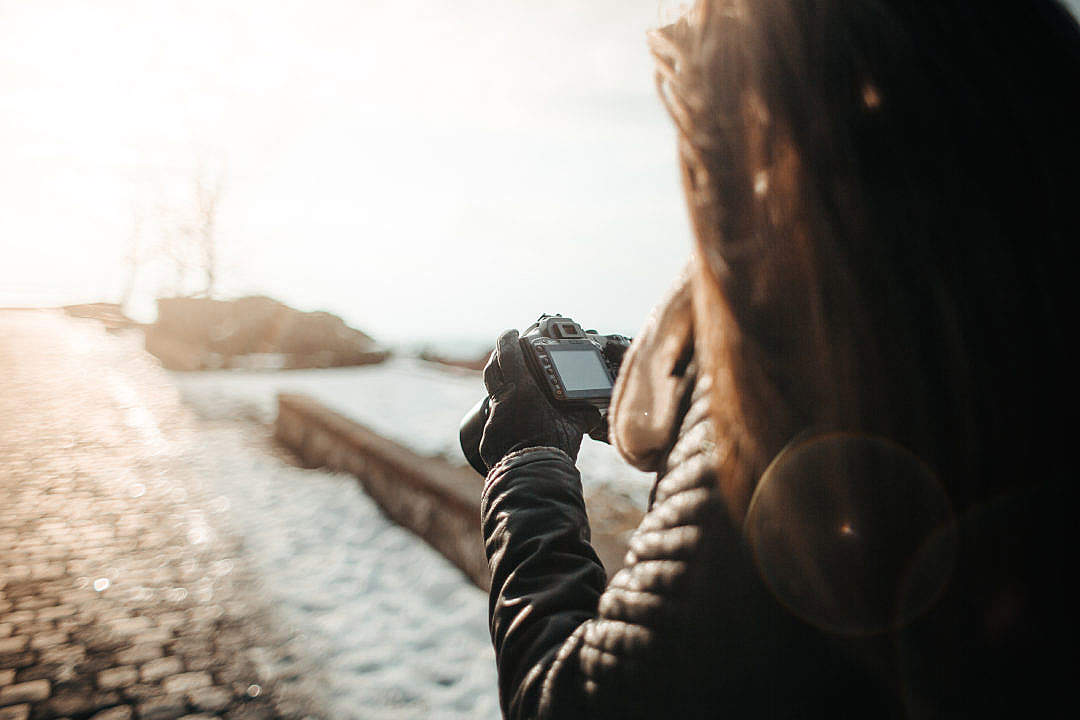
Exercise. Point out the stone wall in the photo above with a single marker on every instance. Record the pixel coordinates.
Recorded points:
(438, 501)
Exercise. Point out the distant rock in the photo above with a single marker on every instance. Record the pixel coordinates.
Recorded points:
(475, 362)
(111, 315)
(254, 333)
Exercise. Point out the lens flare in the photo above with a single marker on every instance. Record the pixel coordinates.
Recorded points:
(852, 533)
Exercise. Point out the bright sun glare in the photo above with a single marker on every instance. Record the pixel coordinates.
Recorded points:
(420, 170)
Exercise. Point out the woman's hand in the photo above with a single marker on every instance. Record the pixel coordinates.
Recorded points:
(522, 416)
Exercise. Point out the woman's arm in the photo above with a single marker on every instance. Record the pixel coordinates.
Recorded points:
(546, 580)
(685, 630)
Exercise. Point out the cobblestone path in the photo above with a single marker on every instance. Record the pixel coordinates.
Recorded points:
(120, 595)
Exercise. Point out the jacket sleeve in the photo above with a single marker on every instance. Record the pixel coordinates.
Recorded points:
(645, 646)
(546, 580)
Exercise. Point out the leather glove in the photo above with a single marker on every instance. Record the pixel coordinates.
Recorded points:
(521, 415)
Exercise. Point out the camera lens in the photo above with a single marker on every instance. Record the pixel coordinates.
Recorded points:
(471, 431)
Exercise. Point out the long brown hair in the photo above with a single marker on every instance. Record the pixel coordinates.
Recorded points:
(880, 195)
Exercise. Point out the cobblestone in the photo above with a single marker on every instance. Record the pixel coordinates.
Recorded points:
(125, 626)
(160, 668)
(117, 677)
(45, 640)
(153, 635)
(113, 596)
(77, 701)
(139, 691)
(120, 712)
(202, 662)
(210, 699)
(13, 644)
(169, 707)
(138, 654)
(24, 692)
(186, 682)
(18, 660)
(36, 671)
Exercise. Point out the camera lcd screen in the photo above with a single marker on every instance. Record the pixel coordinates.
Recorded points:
(580, 369)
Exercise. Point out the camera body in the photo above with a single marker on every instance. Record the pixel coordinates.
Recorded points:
(574, 367)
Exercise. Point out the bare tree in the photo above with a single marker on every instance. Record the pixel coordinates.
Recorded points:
(173, 246)
(135, 256)
(203, 232)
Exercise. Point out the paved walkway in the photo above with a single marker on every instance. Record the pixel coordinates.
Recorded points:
(120, 595)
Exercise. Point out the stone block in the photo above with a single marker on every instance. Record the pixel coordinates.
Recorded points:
(46, 640)
(56, 612)
(17, 660)
(6, 629)
(172, 620)
(14, 644)
(192, 646)
(109, 615)
(120, 712)
(117, 677)
(7, 677)
(34, 627)
(15, 712)
(77, 702)
(202, 662)
(210, 699)
(139, 692)
(130, 625)
(153, 635)
(160, 668)
(138, 654)
(33, 691)
(251, 711)
(166, 707)
(37, 671)
(187, 682)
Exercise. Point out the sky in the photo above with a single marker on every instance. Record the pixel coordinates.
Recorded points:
(423, 169)
(426, 170)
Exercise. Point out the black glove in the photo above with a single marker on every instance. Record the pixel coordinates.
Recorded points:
(522, 416)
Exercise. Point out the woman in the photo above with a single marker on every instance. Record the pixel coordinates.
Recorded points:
(851, 400)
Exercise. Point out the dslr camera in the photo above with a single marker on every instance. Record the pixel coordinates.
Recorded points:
(574, 367)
